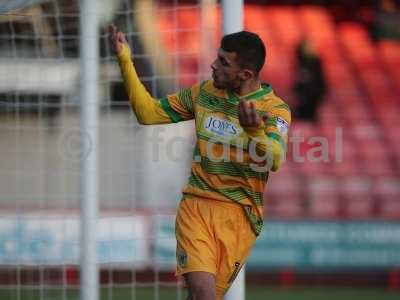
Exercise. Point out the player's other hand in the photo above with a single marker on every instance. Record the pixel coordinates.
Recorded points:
(117, 39)
(248, 116)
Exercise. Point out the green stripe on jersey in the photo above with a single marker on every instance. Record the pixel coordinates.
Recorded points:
(265, 89)
(236, 194)
(230, 169)
(284, 106)
(185, 97)
(277, 138)
(271, 121)
(255, 221)
(217, 104)
(221, 105)
(211, 140)
(175, 117)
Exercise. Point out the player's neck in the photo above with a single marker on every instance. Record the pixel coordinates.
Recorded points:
(248, 87)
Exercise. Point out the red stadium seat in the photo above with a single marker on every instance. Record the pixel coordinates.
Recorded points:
(319, 28)
(387, 192)
(389, 52)
(285, 207)
(323, 200)
(356, 193)
(284, 196)
(355, 113)
(285, 23)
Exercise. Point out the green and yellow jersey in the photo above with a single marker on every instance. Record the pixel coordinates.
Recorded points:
(230, 163)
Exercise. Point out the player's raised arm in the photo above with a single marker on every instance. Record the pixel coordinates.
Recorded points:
(147, 109)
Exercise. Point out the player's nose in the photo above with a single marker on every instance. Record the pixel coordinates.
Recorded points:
(214, 65)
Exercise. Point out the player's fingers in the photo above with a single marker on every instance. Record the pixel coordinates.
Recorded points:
(253, 116)
(255, 119)
(123, 38)
(241, 112)
(113, 36)
(246, 114)
(265, 117)
(112, 30)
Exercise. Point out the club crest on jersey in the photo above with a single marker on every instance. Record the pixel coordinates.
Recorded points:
(282, 125)
(220, 127)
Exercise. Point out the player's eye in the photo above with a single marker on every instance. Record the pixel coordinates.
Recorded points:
(223, 61)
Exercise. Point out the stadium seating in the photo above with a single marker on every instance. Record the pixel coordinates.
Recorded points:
(284, 196)
(357, 200)
(322, 197)
(387, 193)
(359, 119)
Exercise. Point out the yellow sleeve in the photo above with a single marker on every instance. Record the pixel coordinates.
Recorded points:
(147, 109)
(272, 138)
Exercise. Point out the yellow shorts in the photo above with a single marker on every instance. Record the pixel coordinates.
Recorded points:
(212, 236)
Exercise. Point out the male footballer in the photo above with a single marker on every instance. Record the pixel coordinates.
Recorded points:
(241, 129)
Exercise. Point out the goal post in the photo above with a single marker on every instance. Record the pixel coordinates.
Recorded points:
(89, 101)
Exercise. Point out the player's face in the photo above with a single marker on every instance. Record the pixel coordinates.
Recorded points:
(226, 71)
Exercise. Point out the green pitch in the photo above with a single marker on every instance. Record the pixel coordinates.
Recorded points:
(253, 293)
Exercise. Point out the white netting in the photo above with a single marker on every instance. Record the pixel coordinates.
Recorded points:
(141, 169)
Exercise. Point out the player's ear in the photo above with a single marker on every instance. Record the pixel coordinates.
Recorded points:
(246, 74)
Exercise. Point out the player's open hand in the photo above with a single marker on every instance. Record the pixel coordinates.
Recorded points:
(248, 116)
(117, 38)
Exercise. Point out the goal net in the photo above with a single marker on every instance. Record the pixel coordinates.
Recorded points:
(141, 169)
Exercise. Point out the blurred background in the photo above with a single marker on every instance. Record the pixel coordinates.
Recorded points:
(332, 226)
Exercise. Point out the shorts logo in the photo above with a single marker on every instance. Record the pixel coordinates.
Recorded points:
(235, 273)
(181, 257)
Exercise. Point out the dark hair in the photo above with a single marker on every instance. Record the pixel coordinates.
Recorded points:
(249, 48)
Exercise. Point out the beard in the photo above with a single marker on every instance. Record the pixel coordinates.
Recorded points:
(230, 84)
(223, 84)
(218, 85)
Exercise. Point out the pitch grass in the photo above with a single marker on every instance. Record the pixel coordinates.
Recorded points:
(253, 293)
